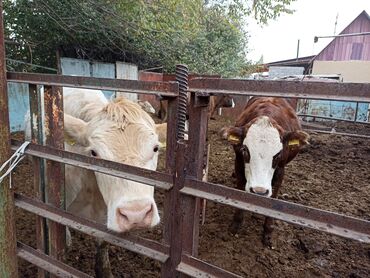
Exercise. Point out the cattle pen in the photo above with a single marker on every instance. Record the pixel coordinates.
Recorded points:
(182, 182)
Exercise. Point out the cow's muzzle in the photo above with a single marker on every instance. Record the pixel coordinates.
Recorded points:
(259, 191)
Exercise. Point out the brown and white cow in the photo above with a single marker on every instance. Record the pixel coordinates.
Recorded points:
(266, 137)
(119, 131)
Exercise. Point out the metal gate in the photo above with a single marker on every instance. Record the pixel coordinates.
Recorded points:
(182, 182)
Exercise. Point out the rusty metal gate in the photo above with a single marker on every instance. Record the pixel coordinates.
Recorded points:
(181, 183)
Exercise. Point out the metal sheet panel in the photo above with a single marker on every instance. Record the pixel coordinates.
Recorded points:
(79, 67)
(127, 71)
(18, 105)
(277, 72)
(104, 70)
(76, 67)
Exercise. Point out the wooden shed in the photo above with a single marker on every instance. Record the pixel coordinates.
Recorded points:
(348, 56)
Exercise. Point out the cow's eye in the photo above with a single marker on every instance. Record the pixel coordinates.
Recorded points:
(156, 149)
(276, 159)
(245, 153)
(93, 153)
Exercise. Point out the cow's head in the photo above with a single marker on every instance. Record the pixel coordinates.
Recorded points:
(225, 101)
(121, 132)
(264, 146)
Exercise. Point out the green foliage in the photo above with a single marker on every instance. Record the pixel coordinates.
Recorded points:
(265, 10)
(208, 36)
(261, 10)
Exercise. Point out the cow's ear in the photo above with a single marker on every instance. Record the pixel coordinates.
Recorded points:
(234, 135)
(297, 138)
(75, 131)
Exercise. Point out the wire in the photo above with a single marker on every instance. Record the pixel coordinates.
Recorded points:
(30, 64)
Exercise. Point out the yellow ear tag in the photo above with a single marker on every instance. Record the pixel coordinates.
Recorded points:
(293, 142)
(162, 145)
(233, 139)
(69, 140)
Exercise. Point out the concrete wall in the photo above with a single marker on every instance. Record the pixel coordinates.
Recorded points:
(351, 71)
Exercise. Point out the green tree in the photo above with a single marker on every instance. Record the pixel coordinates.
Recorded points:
(209, 36)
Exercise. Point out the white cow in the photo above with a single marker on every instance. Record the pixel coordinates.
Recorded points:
(119, 131)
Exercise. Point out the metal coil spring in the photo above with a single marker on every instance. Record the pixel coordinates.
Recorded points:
(182, 77)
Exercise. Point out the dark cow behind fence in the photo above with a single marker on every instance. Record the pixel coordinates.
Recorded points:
(266, 137)
(220, 101)
(215, 102)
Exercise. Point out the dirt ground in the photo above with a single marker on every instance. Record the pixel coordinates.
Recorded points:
(333, 173)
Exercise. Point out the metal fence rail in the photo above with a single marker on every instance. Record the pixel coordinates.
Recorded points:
(339, 133)
(149, 248)
(153, 178)
(184, 189)
(331, 118)
(181, 182)
(281, 88)
(333, 223)
(197, 268)
(167, 89)
(47, 263)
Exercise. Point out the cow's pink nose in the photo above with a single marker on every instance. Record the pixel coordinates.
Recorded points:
(259, 190)
(135, 214)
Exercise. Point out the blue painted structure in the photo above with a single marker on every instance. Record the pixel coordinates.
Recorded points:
(19, 97)
(18, 105)
(338, 109)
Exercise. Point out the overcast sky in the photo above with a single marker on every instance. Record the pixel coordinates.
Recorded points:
(278, 40)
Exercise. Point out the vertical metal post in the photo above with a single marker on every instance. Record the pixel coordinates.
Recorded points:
(182, 229)
(298, 49)
(55, 171)
(182, 75)
(171, 201)
(174, 220)
(8, 258)
(38, 167)
(175, 164)
(198, 122)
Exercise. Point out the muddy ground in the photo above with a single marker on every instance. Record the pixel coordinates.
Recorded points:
(333, 173)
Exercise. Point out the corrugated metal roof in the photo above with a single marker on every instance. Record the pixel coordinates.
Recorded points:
(302, 61)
